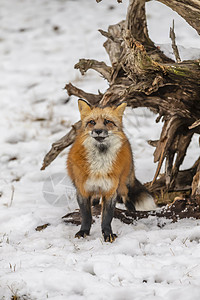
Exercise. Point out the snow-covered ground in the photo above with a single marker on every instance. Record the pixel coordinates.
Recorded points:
(40, 41)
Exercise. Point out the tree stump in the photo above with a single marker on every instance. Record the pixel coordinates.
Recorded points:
(141, 75)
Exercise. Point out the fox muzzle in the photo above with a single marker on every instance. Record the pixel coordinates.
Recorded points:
(99, 134)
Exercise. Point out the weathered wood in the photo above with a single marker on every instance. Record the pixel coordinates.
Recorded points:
(174, 46)
(60, 145)
(136, 22)
(170, 143)
(196, 181)
(183, 181)
(91, 98)
(85, 64)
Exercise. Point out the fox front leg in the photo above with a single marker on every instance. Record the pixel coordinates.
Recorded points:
(86, 215)
(108, 208)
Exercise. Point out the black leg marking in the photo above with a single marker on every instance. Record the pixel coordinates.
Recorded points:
(107, 216)
(119, 199)
(86, 215)
(95, 201)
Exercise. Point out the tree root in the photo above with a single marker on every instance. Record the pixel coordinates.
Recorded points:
(180, 209)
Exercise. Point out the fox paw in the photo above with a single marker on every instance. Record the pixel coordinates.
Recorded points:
(109, 237)
(82, 233)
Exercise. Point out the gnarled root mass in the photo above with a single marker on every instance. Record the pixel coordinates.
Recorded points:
(141, 75)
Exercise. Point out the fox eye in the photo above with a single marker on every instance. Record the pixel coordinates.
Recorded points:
(108, 122)
(92, 122)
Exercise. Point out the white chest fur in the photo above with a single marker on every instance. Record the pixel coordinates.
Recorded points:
(98, 185)
(101, 163)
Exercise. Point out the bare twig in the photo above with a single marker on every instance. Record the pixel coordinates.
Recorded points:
(196, 181)
(91, 98)
(174, 46)
(195, 124)
(153, 143)
(85, 64)
(12, 194)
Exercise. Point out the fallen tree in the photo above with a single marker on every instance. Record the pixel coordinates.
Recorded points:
(141, 75)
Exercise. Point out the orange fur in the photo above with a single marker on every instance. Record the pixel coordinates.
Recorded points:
(100, 164)
(122, 165)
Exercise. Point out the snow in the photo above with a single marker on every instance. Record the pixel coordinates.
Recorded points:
(40, 41)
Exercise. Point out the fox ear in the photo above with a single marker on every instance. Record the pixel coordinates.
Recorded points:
(84, 108)
(120, 109)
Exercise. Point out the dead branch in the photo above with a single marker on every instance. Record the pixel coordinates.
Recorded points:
(91, 98)
(60, 145)
(183, 181)
(174, 46)
(85, 64)
(136, 22)
(196, 181)
(195, 124)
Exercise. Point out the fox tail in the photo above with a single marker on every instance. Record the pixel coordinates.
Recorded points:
(139, 198)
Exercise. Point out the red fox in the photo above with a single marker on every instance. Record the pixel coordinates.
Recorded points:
(100, 165)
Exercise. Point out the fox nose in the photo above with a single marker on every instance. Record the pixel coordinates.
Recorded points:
(98, 131)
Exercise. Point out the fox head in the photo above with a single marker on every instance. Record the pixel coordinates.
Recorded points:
(101, 124)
